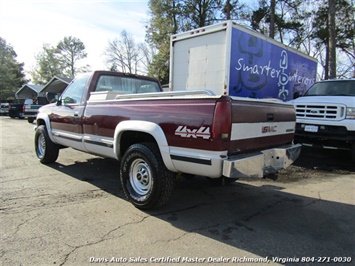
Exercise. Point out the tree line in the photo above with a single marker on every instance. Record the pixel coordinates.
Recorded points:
(322, 29)
(12, 74)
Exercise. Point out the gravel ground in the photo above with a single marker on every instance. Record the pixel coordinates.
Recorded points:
(315, 163)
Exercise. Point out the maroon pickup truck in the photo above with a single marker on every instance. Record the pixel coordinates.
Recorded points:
(156, 134)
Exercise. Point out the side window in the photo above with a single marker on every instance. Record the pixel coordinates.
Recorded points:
(74, 93)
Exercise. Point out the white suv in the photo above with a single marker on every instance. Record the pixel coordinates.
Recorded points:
(326, 115)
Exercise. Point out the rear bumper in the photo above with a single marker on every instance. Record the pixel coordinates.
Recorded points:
(30, 114)
(261, 163)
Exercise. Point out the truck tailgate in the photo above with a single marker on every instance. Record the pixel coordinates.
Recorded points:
(260, 124)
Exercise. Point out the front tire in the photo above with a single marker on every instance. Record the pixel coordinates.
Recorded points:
(46, 150)
(145, 180)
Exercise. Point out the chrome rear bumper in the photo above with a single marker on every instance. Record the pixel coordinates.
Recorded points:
(261, 163)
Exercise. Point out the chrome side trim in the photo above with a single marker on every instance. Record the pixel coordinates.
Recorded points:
(198, 162)
(100, 141)
(103, 146)
(191, 160)
(72, 137)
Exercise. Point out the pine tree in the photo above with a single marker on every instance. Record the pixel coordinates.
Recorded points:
(12, 75)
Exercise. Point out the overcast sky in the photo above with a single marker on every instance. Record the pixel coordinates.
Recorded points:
(28, 24)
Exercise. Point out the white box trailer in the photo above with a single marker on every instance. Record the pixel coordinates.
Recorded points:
(230, 59)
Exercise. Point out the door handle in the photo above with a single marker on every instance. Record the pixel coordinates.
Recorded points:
(76, 114)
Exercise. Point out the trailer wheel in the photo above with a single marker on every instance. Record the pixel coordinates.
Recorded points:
(46, 150)
(353, 151)
(145, 180)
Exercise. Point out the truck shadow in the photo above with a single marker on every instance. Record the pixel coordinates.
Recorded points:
(262, 220)
(325, 159)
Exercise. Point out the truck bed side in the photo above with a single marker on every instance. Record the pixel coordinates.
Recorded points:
(190, 127)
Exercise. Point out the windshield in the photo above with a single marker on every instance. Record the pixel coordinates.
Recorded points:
(332, 88)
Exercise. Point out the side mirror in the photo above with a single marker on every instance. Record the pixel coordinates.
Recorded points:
(58, 102)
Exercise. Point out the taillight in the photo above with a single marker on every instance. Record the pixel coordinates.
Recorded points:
(23, 108)
(222, 120)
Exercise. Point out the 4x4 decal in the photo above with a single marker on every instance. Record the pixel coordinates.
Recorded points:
(202, 132)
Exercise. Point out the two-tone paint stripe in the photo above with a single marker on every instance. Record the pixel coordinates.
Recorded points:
(241, 131)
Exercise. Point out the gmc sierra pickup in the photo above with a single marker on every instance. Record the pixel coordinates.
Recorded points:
(156, 134)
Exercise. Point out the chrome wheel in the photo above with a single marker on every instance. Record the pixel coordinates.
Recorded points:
(46, 150)
(41, 146)
(140, 177)
(145, 180)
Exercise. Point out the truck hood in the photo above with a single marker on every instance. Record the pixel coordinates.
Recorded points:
(349, 101)
(47, 107)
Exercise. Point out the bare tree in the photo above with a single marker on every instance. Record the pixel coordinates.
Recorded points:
(123, 54)
(147, 53)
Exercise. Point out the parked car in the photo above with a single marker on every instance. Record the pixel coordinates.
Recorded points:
(4, 109)
(30, 109)
(15, 110)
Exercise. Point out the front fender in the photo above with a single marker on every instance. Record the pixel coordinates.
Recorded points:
(150, 128)
(43, 118)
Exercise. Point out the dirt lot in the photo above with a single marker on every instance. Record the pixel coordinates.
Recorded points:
(318, 163)
(73, 212)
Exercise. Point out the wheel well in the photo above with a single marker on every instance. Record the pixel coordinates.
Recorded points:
(41, 122)
(131, 137)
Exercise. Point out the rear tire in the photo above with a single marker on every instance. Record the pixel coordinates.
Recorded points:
(46, 150)
(20, 115)
(145, 180)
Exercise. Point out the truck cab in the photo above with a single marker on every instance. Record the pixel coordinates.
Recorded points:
(326, 115)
